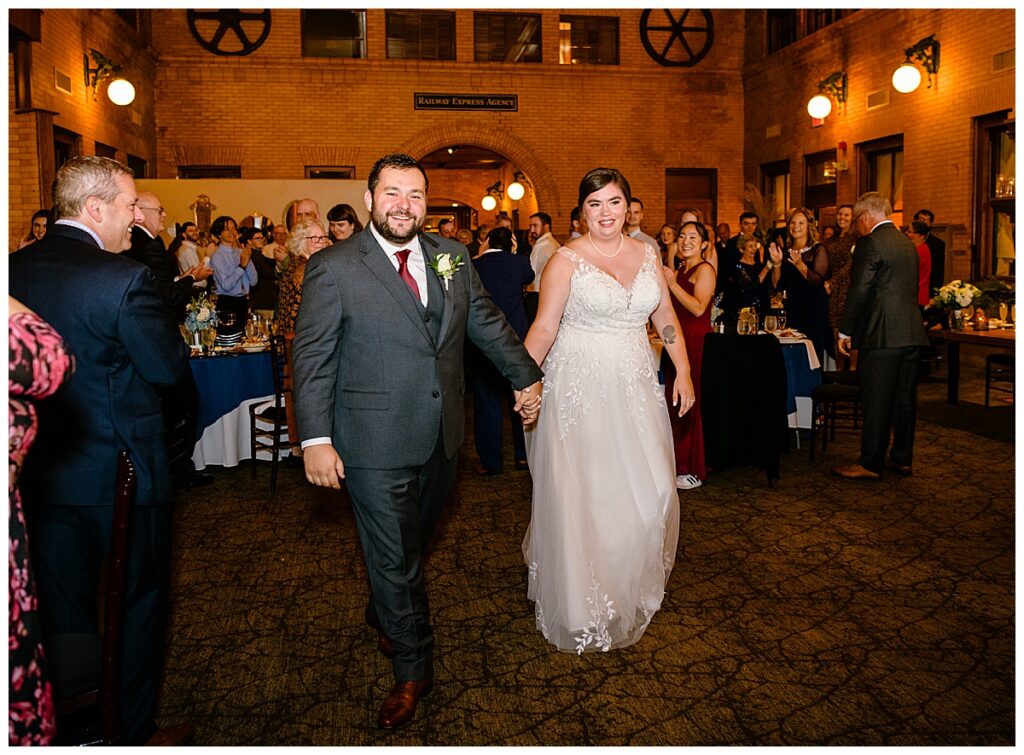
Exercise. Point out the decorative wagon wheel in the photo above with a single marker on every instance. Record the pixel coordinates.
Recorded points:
(221, 31)
(677, 37)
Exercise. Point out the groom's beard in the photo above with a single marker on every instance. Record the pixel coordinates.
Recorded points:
(382, 223)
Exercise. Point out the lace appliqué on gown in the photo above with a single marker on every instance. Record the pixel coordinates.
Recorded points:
(605, 510)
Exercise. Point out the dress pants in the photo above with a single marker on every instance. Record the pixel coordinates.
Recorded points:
(888, 379)
(69, 545)
(396, 511)
(491, 391)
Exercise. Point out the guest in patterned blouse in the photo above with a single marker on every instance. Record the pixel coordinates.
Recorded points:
(306, 238)
(39, 364)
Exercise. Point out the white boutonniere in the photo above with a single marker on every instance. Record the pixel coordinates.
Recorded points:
(445, 267)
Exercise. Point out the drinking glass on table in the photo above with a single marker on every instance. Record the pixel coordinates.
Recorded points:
(780, 320)
(770, 323)
(208, 337)
(1003, 311)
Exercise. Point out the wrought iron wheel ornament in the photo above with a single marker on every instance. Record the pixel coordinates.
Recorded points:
(677, 37)
(229, 37)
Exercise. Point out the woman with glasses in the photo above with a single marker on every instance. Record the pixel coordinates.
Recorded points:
(306, 238)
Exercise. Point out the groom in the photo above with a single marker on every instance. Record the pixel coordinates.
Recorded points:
(379, 394)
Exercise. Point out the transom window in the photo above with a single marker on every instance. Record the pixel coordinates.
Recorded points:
(421, 35)
(334, 33)
(506, 37)
(591, 40)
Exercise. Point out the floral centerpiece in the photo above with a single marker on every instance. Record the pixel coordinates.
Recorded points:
(955, 296)
(200, 314)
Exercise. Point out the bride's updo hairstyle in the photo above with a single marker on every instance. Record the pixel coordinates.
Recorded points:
(702, 231)
(598, 178)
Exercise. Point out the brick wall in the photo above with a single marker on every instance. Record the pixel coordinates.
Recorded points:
(936, 124)
(67, 35)
(637, 116)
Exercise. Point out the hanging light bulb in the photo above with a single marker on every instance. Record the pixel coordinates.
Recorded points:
(488, 203)
(906, 78)
(516, 191)
(121, 92)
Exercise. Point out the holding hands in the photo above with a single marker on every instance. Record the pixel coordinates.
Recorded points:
(528, 402)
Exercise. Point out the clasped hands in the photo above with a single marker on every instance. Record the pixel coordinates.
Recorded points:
(528, 402)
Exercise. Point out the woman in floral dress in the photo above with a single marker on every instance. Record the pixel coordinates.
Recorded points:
(39, 364)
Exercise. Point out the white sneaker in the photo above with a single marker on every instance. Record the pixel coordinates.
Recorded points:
(687, 482)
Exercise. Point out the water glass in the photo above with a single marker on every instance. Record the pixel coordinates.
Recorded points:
(780, 320)
(771, 324)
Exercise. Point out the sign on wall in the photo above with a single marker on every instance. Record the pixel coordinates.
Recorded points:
(432, 101)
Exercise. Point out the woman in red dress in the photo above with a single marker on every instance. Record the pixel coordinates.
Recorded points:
(692, 287)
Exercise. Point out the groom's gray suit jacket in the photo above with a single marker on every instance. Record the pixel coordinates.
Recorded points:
(374, 371)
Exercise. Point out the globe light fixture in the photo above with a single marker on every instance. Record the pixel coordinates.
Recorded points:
(516, 191)
(907, 77)
(121, 92)
(494, 193)
(831, 88)
(819, 106)
(488, 203)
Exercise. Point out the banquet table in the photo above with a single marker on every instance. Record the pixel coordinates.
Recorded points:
(744, 397)
(227, 384)
(1003, 338)
(803, 375)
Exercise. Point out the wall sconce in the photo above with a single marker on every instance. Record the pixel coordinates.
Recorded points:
(495, 193)
(517, 189)
(120, 90)
(907, 77)
(833, 87)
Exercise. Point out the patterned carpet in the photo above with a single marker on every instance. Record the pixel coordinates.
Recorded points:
(819, 612)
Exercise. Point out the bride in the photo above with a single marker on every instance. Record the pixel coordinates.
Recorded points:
(605, 521)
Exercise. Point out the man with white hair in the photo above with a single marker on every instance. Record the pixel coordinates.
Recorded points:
(883, 322)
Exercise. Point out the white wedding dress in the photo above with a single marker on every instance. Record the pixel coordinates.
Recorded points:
(605, 523)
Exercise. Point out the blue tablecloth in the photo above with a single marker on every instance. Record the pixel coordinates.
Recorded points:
(224, 382)
(800, 378)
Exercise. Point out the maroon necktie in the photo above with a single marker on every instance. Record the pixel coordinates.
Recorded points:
(404, 274)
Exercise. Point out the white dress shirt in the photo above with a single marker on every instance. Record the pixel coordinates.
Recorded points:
(416, 264)
(546, 246)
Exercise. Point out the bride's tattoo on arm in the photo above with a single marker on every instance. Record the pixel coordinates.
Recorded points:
(668, 335)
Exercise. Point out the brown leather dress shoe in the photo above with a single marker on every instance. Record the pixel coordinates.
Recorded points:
(904, 469)
(400, 704)
(174, 736)
(384, 644)
(855, 472)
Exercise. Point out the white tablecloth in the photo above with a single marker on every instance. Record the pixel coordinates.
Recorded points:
(227, 441)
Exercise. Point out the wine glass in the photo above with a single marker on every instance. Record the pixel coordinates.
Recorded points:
(780, 320)
(1003, 311)
(208, 336)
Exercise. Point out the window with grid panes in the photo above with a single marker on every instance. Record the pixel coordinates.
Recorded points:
(421, 35)
(506, 37)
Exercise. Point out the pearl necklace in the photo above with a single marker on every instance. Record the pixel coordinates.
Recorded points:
(618, 249)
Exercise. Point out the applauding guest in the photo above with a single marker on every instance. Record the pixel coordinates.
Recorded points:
(692, 288)
(801, 271)
(234, 275)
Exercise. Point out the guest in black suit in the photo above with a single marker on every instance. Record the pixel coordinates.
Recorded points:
(109, 312)
(180, 402)
(883, 322)
(148, 248)
(503, 274)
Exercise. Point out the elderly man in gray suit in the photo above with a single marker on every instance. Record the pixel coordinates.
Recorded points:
(379, 394)
(884, 324)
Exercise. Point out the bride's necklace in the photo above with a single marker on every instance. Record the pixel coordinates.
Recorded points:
(618, 249)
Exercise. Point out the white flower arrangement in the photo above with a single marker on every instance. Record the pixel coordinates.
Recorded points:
(955, 295)
(201, 314)
(445, 266)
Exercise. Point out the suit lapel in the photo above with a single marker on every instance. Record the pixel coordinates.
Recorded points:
(430, 250)
(376, 260)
